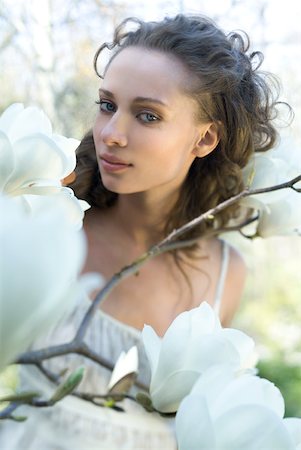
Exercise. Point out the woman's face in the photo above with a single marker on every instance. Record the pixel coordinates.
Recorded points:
(146, 130)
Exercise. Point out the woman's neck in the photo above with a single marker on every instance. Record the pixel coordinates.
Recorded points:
(142, 219)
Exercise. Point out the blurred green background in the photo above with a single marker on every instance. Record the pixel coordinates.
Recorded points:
(271, 312)
(46, 55)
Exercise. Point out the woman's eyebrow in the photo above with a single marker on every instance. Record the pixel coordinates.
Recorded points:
(105, 92)
(139, 99)
(149, 100)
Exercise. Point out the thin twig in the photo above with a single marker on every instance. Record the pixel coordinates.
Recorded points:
(167, 244)
(6, 413)
(125, 273)
(48, 374)
(221, 206)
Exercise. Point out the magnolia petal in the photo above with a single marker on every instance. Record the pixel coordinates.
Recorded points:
(293, 425)
(6, 160)
(167, 396)
(251, 427)
(213, 381)
(247, 390)
(194, 429)
(210, 350)
(182, 340)
(174, 345)
(71, 207)
(224, 389)
(84, 205)
(283, 217)
(66, 204)
(9, 115)
(199, 354)
(36, 157)
(115, 377)
(266, 170)
(41, 188)
(68, 145)
(263, 171)
(253, 202)
(204, 318)
(243, 343)
(34, 290)
(170, 384)
(30, 121)
(127, 363)
(24, 332)
(200, 320)
(21, 202)
(152, 346)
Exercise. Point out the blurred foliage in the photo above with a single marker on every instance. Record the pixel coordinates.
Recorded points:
(271, 313)
(47, 49)
(287, 377)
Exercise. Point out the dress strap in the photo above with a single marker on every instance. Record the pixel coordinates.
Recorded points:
(222, 277)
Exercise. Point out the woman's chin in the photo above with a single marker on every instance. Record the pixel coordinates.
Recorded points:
(117, 188)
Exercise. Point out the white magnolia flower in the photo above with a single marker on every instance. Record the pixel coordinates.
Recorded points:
(193, 342)
(282, 217)
(265, 170)
(293, 426)
(33, 160)
(125, 369)
(40, 260)
(225, 411)
(280, 210)
(65, 202)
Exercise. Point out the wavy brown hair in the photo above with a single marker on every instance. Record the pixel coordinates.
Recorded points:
(230, 91)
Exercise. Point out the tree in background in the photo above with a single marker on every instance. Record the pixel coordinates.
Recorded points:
(46, 50)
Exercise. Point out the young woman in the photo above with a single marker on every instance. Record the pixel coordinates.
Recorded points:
(181, 110)
(182, 107)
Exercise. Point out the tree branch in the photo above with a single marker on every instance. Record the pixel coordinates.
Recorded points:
(77, 345)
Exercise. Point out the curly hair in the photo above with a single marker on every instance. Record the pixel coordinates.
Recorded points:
(230, 91)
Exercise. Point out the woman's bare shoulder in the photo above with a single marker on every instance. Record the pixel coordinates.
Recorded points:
(234, 285)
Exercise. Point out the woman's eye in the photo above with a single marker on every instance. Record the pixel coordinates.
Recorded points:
(148, 117)
(106, 106)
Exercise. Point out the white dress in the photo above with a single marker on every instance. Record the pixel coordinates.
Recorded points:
(74, 424)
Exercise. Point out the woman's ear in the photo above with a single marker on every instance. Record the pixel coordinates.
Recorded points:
(208, 140)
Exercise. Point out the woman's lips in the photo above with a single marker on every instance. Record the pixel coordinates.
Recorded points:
(112, 164)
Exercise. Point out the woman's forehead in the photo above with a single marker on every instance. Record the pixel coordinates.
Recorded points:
(150, 70)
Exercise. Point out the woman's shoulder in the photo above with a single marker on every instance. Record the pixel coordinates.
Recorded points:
(226, 269)
(235, 276)
(237, 264)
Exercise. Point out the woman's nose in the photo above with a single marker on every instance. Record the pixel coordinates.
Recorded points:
(114, 132)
